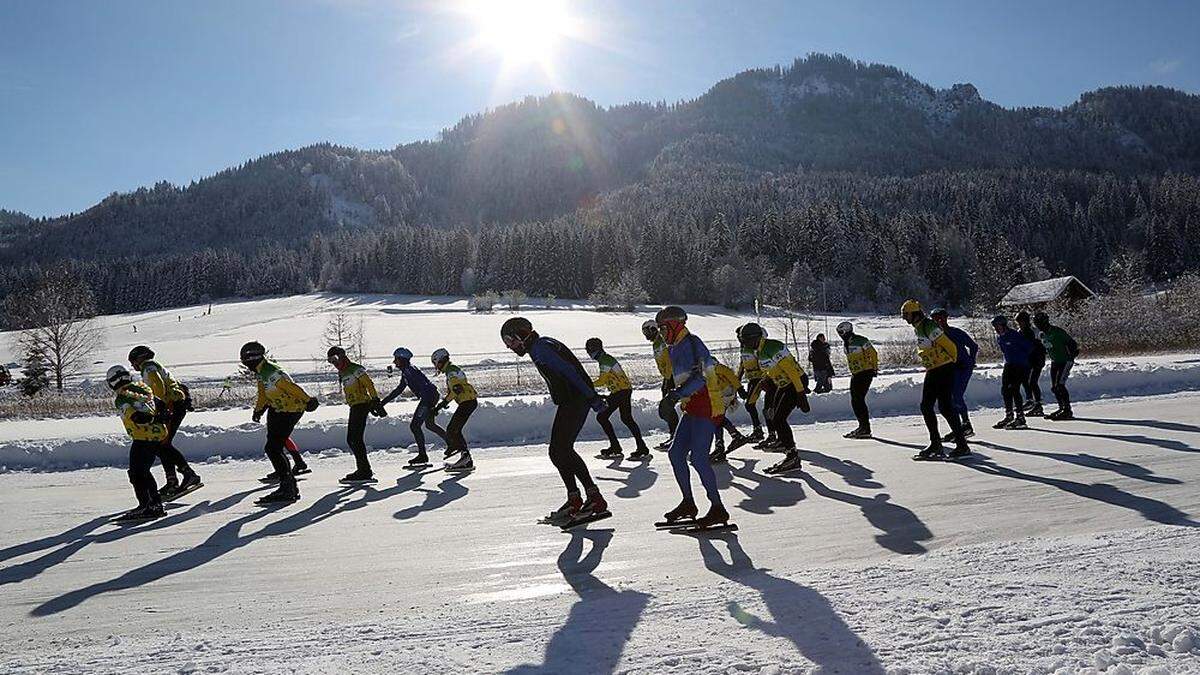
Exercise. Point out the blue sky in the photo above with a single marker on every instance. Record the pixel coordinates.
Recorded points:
(97, 97)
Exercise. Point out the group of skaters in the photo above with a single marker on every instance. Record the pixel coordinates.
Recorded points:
(697, 392)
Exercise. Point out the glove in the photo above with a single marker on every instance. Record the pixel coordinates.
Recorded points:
(743, 394)
(671, 396)
(804, 382)
(440, 407)
(377, 408)
(312, 404)
(598, 404)
(257, 415)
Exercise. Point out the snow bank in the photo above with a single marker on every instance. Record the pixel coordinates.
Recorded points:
(527, 420)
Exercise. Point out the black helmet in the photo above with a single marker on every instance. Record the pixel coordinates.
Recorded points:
(140, 353)
(940, 311)
(670, 313)
(1022, 317)
(517, 334)
(1041, 320)
(593, 346)
(1000, 320)
(337, 352)
(252, 353)
(750, 335)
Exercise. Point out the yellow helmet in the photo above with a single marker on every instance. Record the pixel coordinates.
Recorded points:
(909, 307)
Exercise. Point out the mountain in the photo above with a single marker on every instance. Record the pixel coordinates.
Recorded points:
(560, 161)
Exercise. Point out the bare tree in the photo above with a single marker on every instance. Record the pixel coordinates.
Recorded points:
(56, 318)
(342, 331)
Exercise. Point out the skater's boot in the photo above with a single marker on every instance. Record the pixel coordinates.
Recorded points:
(191, 480)
(665, 444)
(860, 432)
(1055, 415)
(146, 512)
(1065, 414)
(685, 511)
(642, 452)
(967, 430)
(768, 442)
(948, 438)
(933, 451)
(1029, 405)
(717, 515)
(960, 450)
(739, 441)
(790, 462)
(756, 435)
(1002, 424)
(358, 476)
(272, 477)
(463, 463)
(287, 493)
(568, 510)
(300, 468)
(1036, 410)
(421, 460)
(612, 452)
(594, 504)
(717, 456)
(1017, 423)
(169, 488)
(450, 452)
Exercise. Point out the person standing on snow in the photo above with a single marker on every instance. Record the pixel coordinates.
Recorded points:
(863, 360)
(939, 356)
(572, 392)
(818, 356)
(459, 390)
(968, 350)
(692, 371)
(1062, 350)
(620, 396)
(427, 395)
(662, 359)
(1037, 361)
(284, 403)
(1017, 350)
(791, 389)
(727, 384)
(172, 401)
(135, 403)
(750, 372)
(363, 400)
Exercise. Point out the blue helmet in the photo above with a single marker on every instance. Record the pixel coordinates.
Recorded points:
(402, 354)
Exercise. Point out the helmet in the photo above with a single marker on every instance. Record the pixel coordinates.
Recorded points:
(117, 376)
(439, 355)
(1022, 317)
(1000, 320)
(940, 311)
(845, 328)
(335, 352)
(402, 354)
(909, 307)
(649, 329)
(251, 354)
(140, 353)
(671, 320)
(517, 334)
(1041, 320)
(593, 346)
(750, 335)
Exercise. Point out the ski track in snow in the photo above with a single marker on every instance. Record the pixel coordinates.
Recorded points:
(1068, 548)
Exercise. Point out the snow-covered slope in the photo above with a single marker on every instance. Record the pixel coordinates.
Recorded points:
(1068, 548)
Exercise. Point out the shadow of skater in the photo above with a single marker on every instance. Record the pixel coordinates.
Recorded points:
(855, 474)
(798, 613)
(1164, 443)
(634, 482)
(768, 492)
(226, 539)
(901, 529)
(599, 623)
(77, 538)
(448, 490)
(1151, 509)
(78, 532)
(1153, 424)
(1127, 469)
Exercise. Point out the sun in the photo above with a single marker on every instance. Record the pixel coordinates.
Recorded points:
(521, 31)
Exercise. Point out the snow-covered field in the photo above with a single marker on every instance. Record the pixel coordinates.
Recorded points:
(1066, 548)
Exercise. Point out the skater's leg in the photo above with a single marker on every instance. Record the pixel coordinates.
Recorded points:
(1006, 385)
(1033, 389)
(279, 429)
(962, 378)
(680, 448)
(355, 428)
(785, 400)
(1058, 381)
(178, 412)
(432, 425)
(568, 421)
(929, 395)
(454, 430)
(604, 418)
(141, 458)
(945, 402)
(415, 427)
(700, 442)
(859, 384)
(625, 406)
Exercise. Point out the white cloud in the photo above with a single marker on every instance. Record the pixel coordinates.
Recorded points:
(1165, 66)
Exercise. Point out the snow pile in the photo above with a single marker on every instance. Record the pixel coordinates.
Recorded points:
(527, 420)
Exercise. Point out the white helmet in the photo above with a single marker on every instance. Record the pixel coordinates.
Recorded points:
(845, 328)
(439, 355)
(118, 376)
(649, 328)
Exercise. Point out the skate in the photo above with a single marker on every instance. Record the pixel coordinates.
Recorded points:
(191, 483)
(1030, 405)
(421, 461)
(272, 477)
(611, 452)
(450, 452)
(857, 433)
(1062, 414)
(1055, 415)
(717, 456)
(141, 513)
(757, 435)
(641, 453)
(463, 464)
(932, 453)
(593, 509)
(563, 513)
(959, 451)
(683, 514)
(1002, 424)
(358, 476)
(168, 489)
(1035, 411)
(1017, 423)
(768, 442)
(665, 445)
(300, 470)
(280, 496)
(791, 462)
(968, 430)
(739, 442)
(717, 518)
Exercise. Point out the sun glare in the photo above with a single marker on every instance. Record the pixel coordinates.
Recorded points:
(521, 31)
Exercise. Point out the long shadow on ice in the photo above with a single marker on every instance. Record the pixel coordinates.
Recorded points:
(448, 490)
(1164, 443)
(1150, 509)
(1128, 469)
(601, 620)
(635, 480)
(81, 536)
(798, 613)
(764, 493)
(1153, 424)
(229, 537)
(901, 529)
